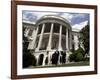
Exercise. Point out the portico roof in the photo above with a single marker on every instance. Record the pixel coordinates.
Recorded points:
(54, 17)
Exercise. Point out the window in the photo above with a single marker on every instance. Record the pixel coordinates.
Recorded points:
(73, 46)
(47, 27)
(72, 37)
(40, 28)
(56, 28)
(63, 30)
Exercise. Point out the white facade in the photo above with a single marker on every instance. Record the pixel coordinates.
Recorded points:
(51, 33)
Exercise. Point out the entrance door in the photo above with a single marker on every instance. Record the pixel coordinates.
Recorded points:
(41, 56)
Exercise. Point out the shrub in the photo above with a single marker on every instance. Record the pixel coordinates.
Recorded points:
(28, 59)
(86, 59)
(72, 57)
(77, 55)
(34, 60)
(80, 50)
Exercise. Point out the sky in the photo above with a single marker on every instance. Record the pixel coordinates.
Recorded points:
(76, 20)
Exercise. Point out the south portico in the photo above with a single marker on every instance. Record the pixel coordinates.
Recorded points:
(51, 33)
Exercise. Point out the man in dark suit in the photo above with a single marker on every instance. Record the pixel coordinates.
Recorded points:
(55, 57)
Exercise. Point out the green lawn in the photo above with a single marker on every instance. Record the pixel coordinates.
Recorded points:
(70, 64)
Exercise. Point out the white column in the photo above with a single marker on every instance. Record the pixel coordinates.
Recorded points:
(43, 64)
(59, 57)
(41, 37)
(76, 42)
(49, 58)
(50, 38)
(67, 39)
(70, 40)
(34, 36)
(37, 58)
(60, 38)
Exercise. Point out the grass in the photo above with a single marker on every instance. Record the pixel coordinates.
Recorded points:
(70, 64)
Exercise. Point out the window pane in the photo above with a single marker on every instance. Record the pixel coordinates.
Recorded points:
(40, 28)
(56, 28)
(63, 30)
(47, 27)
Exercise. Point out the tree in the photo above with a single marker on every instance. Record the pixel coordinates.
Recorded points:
(77, 55)
(28, 58)
(85, 39)
(25, 40)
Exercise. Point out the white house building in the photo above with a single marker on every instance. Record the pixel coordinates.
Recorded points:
(51, 33)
